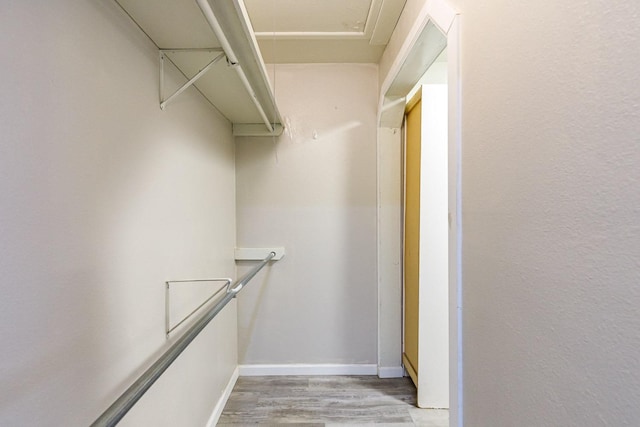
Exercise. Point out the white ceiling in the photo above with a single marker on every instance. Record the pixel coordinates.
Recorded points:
(323, 31)
(308, 15)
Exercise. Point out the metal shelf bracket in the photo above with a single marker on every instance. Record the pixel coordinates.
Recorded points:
(192, 80)
(168, 326)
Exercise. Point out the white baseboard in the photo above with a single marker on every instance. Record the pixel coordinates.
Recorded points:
(217, 411)
(307, 369)
(390, 372)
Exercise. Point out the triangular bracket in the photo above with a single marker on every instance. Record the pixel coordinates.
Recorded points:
(192, 80)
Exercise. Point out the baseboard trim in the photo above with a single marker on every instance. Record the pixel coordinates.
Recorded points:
(217, 410)
(307, 369)
(390, 372)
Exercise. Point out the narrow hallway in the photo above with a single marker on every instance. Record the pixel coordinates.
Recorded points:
(327, 401)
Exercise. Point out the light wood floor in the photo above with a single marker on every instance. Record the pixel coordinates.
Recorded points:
(327, 401)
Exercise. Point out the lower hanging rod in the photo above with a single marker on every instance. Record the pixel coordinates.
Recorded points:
(125, 402)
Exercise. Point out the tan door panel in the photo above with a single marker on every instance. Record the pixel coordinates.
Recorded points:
(412, 234)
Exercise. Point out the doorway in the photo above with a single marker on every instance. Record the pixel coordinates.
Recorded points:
(435, 27)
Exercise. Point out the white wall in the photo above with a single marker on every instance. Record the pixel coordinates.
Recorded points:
(313, 190)
(104, 197)
(551, 242)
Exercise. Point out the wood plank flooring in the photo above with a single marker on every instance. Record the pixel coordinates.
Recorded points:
(327, 401)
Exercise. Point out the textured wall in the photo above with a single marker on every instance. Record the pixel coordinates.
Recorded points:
(103, 198)
(551, 231)
(313, 190)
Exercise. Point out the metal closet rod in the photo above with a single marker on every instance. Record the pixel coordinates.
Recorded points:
(231, 56)
(125, 402)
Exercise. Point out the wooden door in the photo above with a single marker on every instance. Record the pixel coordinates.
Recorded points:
(412, 235)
